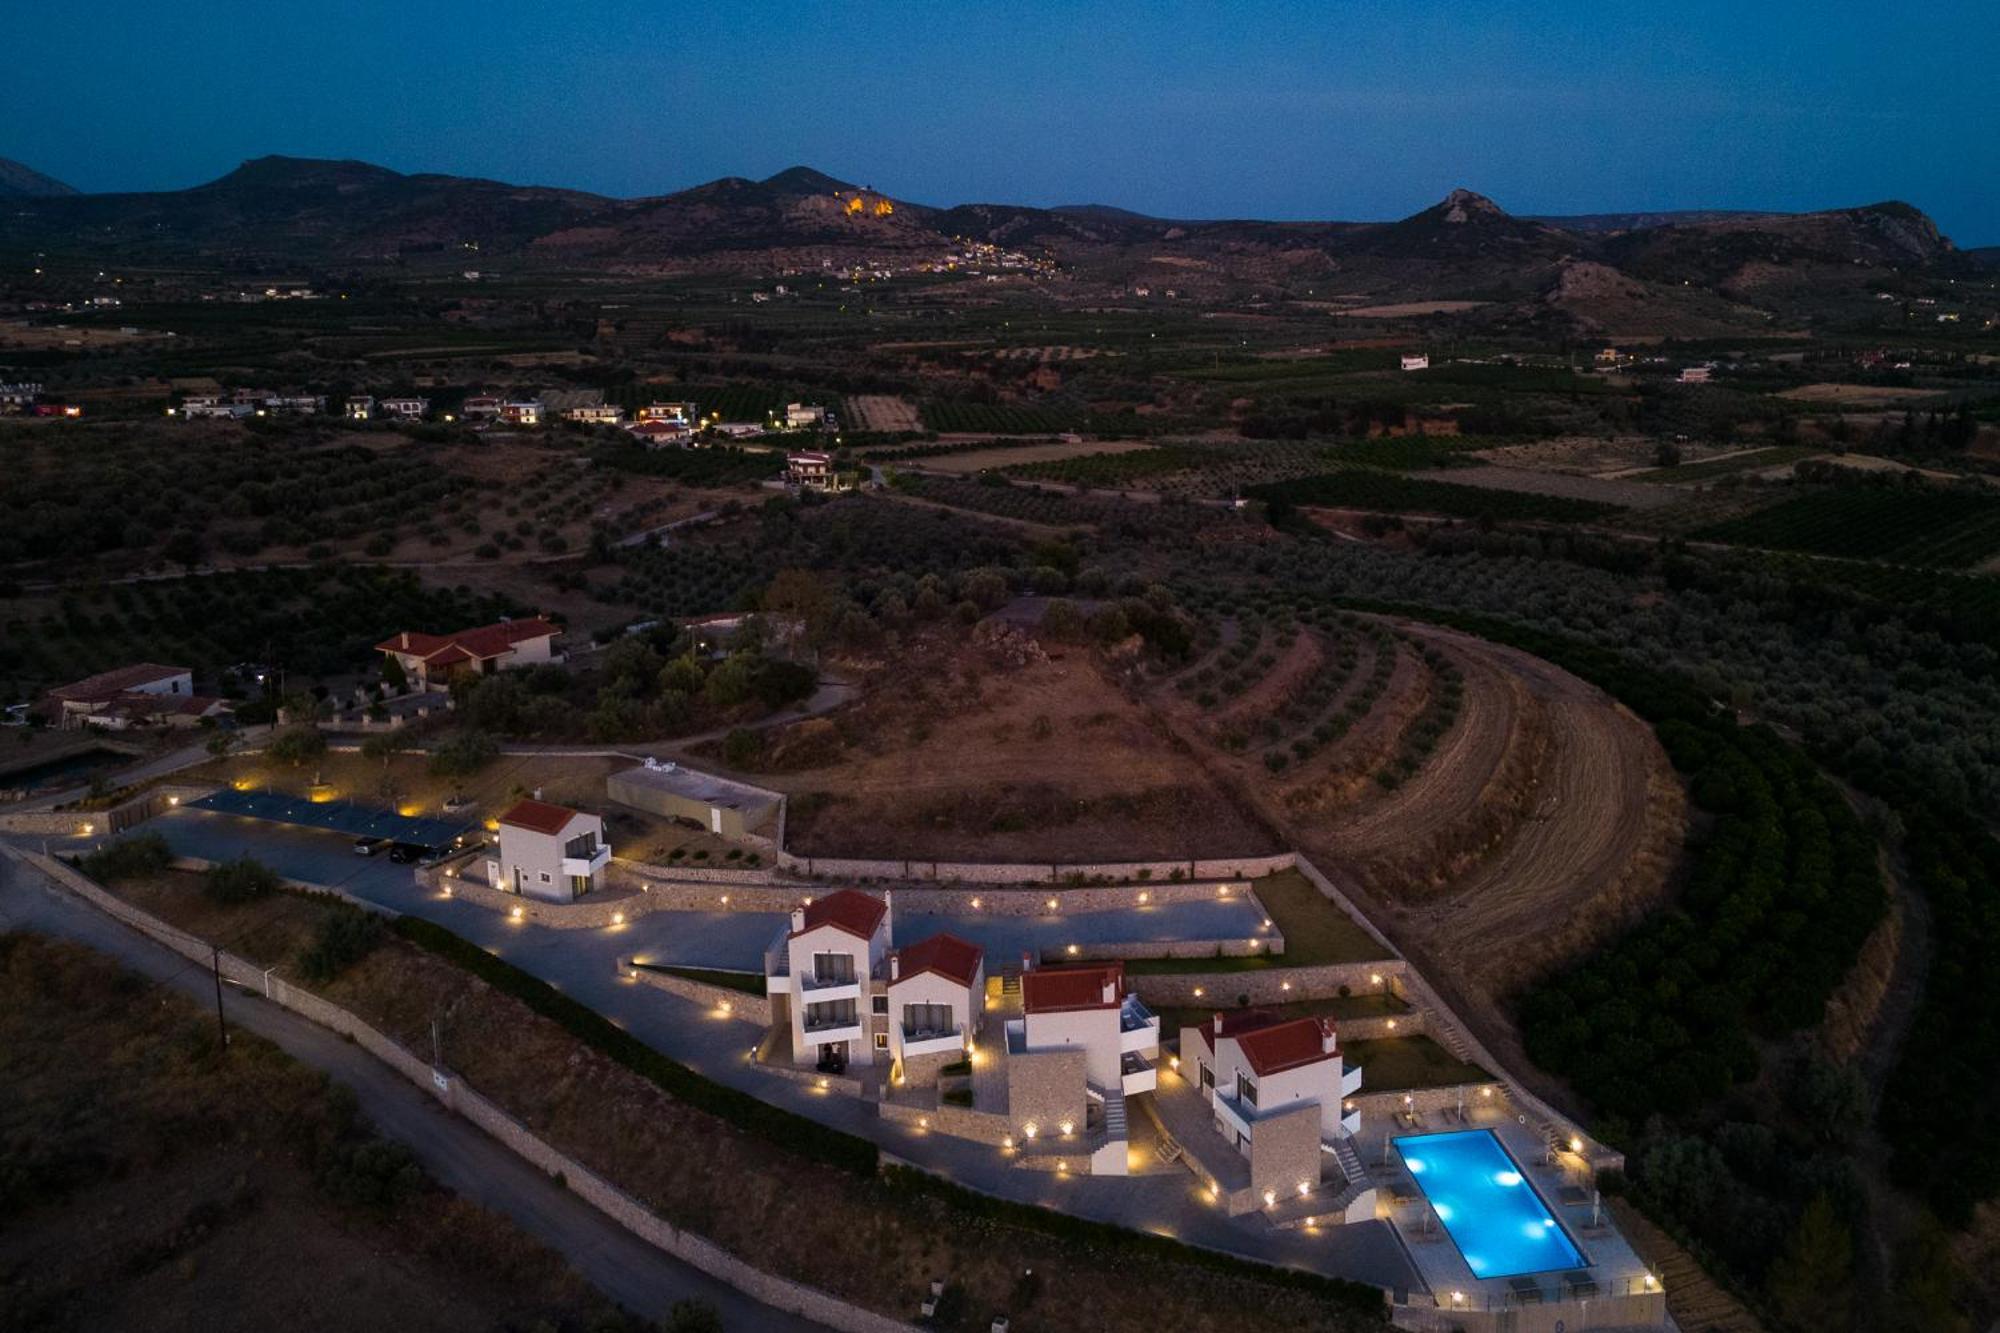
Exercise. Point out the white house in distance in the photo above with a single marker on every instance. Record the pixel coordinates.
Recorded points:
(826, 979)
(549, 852)
(937, 996)
(1417, 361)
(811, 470)
(136, 695)
(405, 409)
(433, 659)
(361, 407)
(804, 416)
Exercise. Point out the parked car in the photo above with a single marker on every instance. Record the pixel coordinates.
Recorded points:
(369, 846)
(406, 853)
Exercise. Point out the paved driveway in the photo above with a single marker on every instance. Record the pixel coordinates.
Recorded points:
(583, 963)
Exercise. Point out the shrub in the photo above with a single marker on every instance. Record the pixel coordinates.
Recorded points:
(128, 858)
(346, 935)
(297, 745)
(240, 881)
(463, 755)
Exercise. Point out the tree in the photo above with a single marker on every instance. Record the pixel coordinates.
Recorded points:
(297, 745)
(693, 1317)
(1813, 1280)
(463, 754)
(379, 746)
(801, 595)
(222, 742)
(393, 675)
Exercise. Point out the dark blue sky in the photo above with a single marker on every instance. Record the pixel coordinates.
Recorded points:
(1311, 109)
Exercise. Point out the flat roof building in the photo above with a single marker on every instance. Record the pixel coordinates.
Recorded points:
(727, 809)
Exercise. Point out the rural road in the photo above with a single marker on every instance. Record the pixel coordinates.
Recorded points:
(459, 1156)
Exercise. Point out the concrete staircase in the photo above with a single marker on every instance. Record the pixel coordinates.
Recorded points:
(1108, 1158)
(1348, 1158)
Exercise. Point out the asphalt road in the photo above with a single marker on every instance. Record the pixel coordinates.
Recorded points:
(458, 1155)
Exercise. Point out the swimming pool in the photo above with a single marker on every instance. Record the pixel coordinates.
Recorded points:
(1491, 1212)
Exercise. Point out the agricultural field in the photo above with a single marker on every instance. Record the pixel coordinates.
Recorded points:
(957, 758)
(1910, 525)
(1357, 488)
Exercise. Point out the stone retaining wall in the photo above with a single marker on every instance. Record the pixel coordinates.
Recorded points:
(1430, 1101)
(1266, 985)
(777, 1292)
(958, 1121)
(739, 1004)
(997, 872)
(1270, 944)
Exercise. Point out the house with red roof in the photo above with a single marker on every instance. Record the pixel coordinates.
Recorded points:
(433, 660)
(1252, 1064)
(937, 997)
(142, 694)
(827, 977)
(1083, 1044)
(548, 851)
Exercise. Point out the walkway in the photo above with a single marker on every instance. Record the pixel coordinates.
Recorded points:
(459, 1156)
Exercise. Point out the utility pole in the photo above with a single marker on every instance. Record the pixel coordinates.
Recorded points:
(221, 1026)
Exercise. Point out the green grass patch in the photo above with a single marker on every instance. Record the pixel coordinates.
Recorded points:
(1776, 456)
(1316, 931)
(1376, 1004)
(1402, 1064)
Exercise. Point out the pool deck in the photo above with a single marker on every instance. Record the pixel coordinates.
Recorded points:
(1608, 1258)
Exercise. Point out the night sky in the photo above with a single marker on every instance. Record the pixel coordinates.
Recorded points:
(1313, 109)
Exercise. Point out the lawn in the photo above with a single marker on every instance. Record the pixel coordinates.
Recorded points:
(1398, 1064)
(1316, 931)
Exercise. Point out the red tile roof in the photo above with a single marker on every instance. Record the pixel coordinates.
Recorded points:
(468, 644)
(110, 684)
(1288, 1045)
(1055, 990)
(539, 816)
(947, 955)
(850, 910)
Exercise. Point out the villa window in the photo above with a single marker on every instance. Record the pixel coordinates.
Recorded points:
(879, 1004)
(1246, 1091)
(881, 1041)
(1207, 1075)
(928, 1018)
(833, 968)
(582, 847)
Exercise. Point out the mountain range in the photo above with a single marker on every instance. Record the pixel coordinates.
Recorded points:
(284, 209)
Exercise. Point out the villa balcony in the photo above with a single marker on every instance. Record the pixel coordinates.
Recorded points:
(1138, 1028)
(825, 1031)
(828, 988)
(932, 1043)
(1350, 1123)
(1137, 1074)
(1350, 1080)
(585, 866)
(1233, 1114)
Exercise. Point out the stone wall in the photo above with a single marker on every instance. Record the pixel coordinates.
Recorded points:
(1431, 1101)
(1270, 944)
(780, 1293)
(642, 870)
(1626, 1314)
(1017, 872)
(921, 1071)
(1266, 986)
(1285, 1153)
(1046, 1089)
(736, 1003)
(960, 1122)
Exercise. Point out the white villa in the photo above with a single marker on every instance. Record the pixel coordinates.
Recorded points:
(1252, 1064)
(1083, 1044)
(825, 977)
(937, 996)
(549, 852)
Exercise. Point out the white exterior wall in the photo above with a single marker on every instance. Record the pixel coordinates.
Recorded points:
(531, 863)
(865, 954)
(1095, 1030)
(528, 652)
(1318, 1082)
(967, 1003)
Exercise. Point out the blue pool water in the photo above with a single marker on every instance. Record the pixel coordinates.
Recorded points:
(1491, 1212)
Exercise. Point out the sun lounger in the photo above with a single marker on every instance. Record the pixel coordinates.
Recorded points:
(1580, 1283)
(1526, 1290)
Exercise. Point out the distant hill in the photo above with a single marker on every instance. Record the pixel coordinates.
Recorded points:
(21, 182)
(1697, 271)
(1597, 223)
